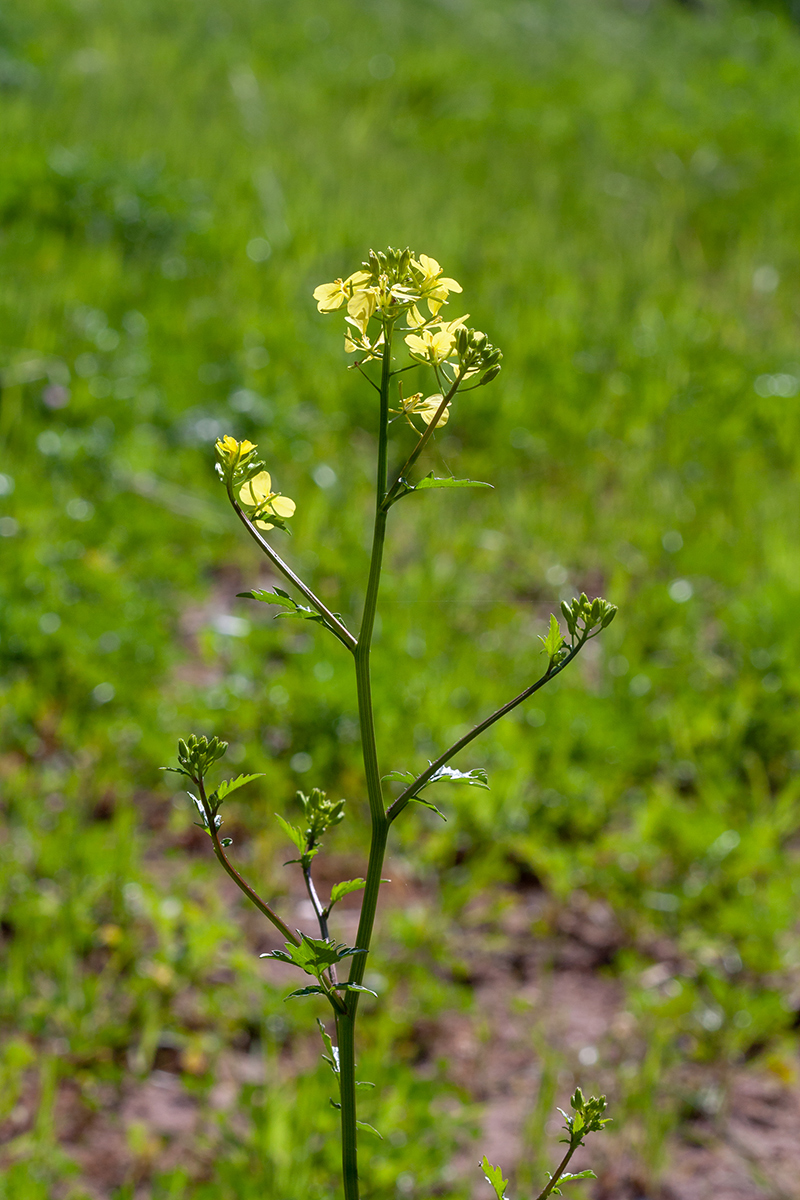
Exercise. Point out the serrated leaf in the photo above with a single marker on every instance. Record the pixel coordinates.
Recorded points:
(399, 777)
(200, 808)
(231, 785)
(276, 597)
(371, 1128)
(313, 955)
(285, 601)
(311, 990)
(494, 1176)
(578, 1175)
(344, 889)
(333, 1051)
(355, 987)
(292, 832)
(475, 778)
(553, 641)
(430, 481)
(428, 804)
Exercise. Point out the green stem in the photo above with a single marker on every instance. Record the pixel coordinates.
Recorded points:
(241, 883)
(403, 799)
(394, 492)
(380, 826)
(345, 1025)
(332, 622)
(559, 1171)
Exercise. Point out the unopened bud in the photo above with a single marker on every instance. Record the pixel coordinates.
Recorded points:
(491, 374)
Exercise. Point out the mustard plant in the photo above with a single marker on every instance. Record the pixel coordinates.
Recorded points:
(392, 305)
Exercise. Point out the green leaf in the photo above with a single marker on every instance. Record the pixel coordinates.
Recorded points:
(292, 832)
(371, 1128)
(428, 804)
(475, 778)
(282, 598)
(311, 990)
(494, 1176)
(276, 597)
(313, 955)
(230, 785)
(355, 987)
(343, 889)
(568, 1176)
(332, 1057)
(392, 777)
(431, 482)
(553, 641)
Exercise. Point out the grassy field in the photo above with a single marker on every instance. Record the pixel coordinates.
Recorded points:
(615, 187)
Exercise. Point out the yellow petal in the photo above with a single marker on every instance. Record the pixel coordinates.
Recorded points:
(361, 305)
(430, 266)
(329, 296)
(427, 410)
(443, 343)
(282, 506)
(256, 490)
(264, 525)
(357, 278)
(417, 345)
(449, 285)
(415, 317)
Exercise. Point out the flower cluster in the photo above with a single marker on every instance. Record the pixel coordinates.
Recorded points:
(246, 477)
(397, 284)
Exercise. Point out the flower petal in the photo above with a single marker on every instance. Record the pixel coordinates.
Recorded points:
(282, 506)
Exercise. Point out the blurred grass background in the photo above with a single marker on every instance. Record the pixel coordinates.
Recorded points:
(614, 186)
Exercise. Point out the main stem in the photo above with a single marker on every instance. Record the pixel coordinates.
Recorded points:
(380, 826)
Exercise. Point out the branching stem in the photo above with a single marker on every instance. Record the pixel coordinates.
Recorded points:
(332, 622)
(241, 883)
(403, 799)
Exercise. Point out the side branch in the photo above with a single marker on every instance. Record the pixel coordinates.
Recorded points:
(403, 799)
(333, 623)
(241, 883)
(391, 496)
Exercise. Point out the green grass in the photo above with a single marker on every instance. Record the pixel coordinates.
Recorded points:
(614, 188)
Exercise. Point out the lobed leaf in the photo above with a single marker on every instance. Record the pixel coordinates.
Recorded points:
(343, 889)
(231, 785)
(430, 481)
(494, 1176)
(475, 778)
(292, 832)
(427, 804)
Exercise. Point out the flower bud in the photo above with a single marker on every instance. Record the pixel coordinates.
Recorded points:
(491, 374)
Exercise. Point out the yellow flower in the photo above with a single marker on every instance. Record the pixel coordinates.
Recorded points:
(257, 494)
(435, 288)
(415, 406)
(362, 305)
(330, 296)
(230, 452)
(431, 347)
(356, 340)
